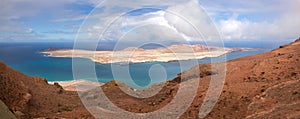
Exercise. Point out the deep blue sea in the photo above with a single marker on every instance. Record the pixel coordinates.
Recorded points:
(26, 58)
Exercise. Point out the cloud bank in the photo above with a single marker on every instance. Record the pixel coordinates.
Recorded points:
(26, 20)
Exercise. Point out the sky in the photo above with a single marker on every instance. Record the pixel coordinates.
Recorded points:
(60, 20)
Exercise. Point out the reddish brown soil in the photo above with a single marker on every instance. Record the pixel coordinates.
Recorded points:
(260, 86)
(32, 97)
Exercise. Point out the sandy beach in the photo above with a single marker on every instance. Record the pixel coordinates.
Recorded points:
(77, 85)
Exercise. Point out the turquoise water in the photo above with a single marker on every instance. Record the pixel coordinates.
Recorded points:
(26, 58)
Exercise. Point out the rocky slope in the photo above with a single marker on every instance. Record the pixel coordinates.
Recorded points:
(33, 97)
(260, 86)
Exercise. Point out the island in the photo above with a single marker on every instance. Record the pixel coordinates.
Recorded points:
(139, 55)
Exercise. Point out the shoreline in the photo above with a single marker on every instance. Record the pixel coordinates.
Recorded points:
(77, 85)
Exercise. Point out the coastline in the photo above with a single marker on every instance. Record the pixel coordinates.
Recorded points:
(77, 85)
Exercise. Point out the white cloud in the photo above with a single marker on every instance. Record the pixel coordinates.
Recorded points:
(12, 12)
(179, 20)
(265, 19)
(191, 20)
(282, 26)
(285, 26)
(231, 29)
(222, 7)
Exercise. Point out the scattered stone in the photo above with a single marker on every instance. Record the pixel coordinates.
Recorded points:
(290, 56)
(27, 97)
(295, 93)
(293, 74)
(19, 113)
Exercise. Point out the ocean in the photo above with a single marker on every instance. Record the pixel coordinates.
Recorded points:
(25, 57)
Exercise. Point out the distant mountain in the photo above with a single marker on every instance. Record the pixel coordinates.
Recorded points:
(133, 49)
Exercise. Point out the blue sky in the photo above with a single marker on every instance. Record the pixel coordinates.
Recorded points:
(57, 20)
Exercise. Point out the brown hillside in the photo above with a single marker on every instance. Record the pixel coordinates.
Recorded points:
(32, 97)
(260, 86)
